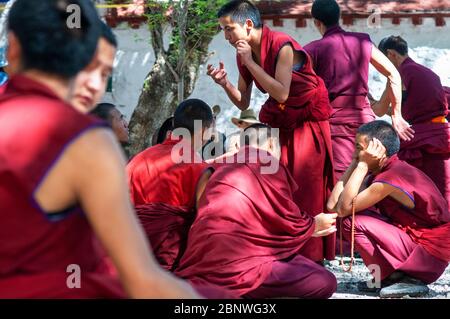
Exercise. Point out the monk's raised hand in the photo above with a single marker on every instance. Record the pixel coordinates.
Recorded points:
(325, 224)
(373, 154)
(379, 151)
(244, 51)
(219, 75)
(403, 129)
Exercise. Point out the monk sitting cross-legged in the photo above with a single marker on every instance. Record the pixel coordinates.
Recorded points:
(409, 239)
(248, 231)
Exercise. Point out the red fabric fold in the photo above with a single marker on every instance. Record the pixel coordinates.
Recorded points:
(425, 97)
(54, 285)
(308, 97)
(245, 221)
(432, 138)
(428, 223)
(435, 241)
(447, 95)
(166, 227)
(429, 151)
(163, 174)
(351, 110)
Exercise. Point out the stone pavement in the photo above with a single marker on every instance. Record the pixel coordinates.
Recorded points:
(347, 282)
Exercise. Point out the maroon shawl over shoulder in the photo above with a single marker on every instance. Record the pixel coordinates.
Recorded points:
(245, 221)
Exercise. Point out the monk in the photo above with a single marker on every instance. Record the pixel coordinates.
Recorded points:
(425, 106)
(90, 84)
(248, 230)
(163, 132)
(298, 106)
(409, 239)
(63, 192)
(342, 60)
(111, 114)
(162, 183)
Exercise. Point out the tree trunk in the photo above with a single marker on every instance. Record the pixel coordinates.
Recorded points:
(167, 83)
(158, 102)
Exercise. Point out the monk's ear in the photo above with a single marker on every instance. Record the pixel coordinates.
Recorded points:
(13, 53)
(391, 54)
(249, 24)
(317, 23)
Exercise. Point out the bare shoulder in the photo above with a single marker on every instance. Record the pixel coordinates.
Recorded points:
(395, 193)
(93, 156)
(94, 148)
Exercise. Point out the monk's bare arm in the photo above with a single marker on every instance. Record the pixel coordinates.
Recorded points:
(385, 67)
(339, 187)
(394, 92)
(278, 87)
(365, 199)
(101, 188)
(201, 185)
(240, 96)
(381, 107)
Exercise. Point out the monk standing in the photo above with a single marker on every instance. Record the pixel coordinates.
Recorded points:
(342, 60)
(248, 230)
(425, 106)
(298, 105)
(410, 238)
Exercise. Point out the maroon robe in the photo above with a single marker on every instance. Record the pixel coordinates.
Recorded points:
(429, 150)
(447, 94)
(425, 97)
(246, 222)
(304, 133)
(37, 248)
(342, 60)
(163, 191)
(415, 241)
(157, 175)
(166, 227)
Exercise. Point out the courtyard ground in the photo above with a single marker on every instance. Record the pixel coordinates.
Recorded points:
(347, 282)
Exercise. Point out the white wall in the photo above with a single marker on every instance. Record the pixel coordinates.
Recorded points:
(430, 45)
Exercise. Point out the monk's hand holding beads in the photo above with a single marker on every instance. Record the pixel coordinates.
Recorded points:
(325, 224)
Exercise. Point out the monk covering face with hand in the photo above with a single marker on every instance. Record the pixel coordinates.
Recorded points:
(409, 239)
